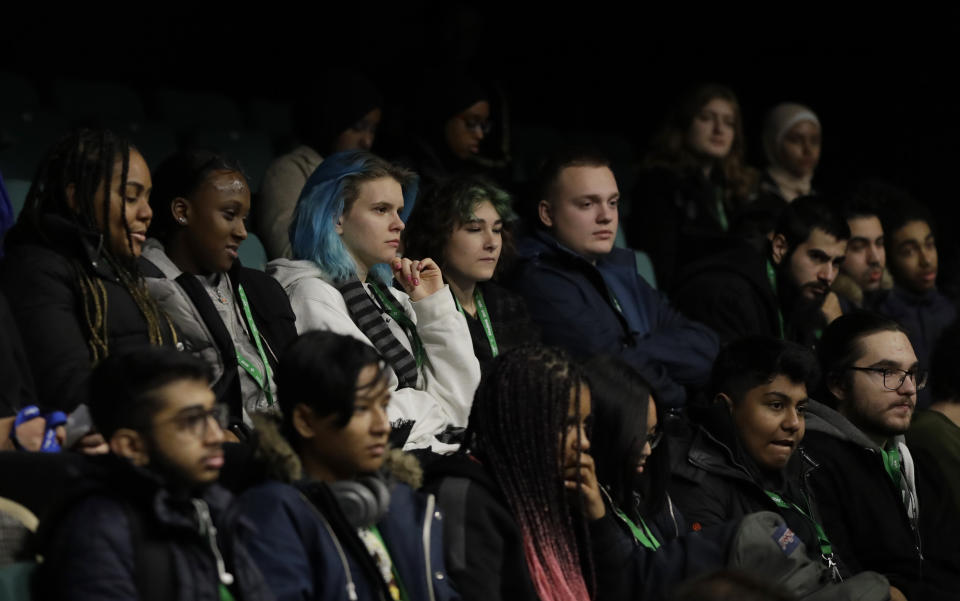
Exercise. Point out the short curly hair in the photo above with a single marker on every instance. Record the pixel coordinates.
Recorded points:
(448, 206)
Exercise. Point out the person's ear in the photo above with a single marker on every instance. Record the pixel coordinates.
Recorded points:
(779, 248)
(723, 399)
(339, 225)
(545, 211)
(129, 443)
(304, 421)
(836, 387)
(180, 209)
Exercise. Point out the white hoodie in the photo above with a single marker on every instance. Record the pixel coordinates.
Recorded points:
(448, 378)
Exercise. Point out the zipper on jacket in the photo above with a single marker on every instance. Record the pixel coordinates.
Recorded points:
(351, 586)
(427, 523)
(208, 530)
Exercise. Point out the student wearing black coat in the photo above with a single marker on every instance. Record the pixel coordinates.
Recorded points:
(69, 272)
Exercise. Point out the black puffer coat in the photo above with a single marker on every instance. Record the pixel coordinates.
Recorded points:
(39, 279)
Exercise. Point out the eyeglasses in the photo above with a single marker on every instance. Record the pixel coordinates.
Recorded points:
(893, 378)
(473, 123)
(653, 439)
(196, 421)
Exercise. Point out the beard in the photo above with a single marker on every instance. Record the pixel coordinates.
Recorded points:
(796, 298)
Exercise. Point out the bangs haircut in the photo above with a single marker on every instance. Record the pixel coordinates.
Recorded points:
(447, 207)
(319, 369)
(757, 360)
(328, 195)
(123, 387)
(517, 425)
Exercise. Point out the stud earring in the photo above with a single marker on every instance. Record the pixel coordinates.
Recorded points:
(182, 220)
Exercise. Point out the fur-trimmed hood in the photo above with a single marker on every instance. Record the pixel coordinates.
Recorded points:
(279, 461)
(847, 287)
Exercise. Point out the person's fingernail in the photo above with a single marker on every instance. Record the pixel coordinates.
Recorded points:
(416, 282)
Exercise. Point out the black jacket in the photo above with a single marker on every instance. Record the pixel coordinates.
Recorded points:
(675, 218)
(485, 555)
(731, 293)
(482, 541)
(715, 481)
(39, 280)
(512, 326)
(865, 514)
(89, 550)
(16, 381)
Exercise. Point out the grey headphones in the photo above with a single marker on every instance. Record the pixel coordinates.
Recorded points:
(364, 501)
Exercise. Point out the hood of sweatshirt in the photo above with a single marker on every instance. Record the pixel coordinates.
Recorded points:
(289, 271)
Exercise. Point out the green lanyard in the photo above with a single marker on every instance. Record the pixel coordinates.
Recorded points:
(484, 318)
(263, 382)
(826, 549)
(401, 592)
(772, 276)
(405, 322)
(721, 212)
(641, 533)
(891, 462)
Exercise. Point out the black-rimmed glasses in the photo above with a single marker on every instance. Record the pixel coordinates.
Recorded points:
(893, 378)
(196, 421)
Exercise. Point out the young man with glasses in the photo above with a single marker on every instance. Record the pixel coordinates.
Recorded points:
(147, 520)
(866, 482)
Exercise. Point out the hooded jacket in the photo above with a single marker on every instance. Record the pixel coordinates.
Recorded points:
(307, 550)
(864, 513)
(448, 378)
(731, 293)
(573, 302)
(38, 277)
(715, 481)
(90, 554)
(202, 330)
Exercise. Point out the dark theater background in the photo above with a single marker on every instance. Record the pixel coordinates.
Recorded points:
(882, 81)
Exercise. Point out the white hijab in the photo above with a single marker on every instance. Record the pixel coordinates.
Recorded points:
(779, 121)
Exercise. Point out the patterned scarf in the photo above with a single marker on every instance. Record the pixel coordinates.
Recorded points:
(368, 318)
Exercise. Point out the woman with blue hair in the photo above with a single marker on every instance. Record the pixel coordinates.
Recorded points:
(345, 237)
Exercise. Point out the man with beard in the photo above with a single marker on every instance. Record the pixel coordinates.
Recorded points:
(147, 520)
(783, 292)
(868, 488)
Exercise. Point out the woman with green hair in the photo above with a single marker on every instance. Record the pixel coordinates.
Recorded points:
(466, 224)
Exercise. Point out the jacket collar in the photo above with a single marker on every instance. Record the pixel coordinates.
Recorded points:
(542, 245)
(821, 418)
